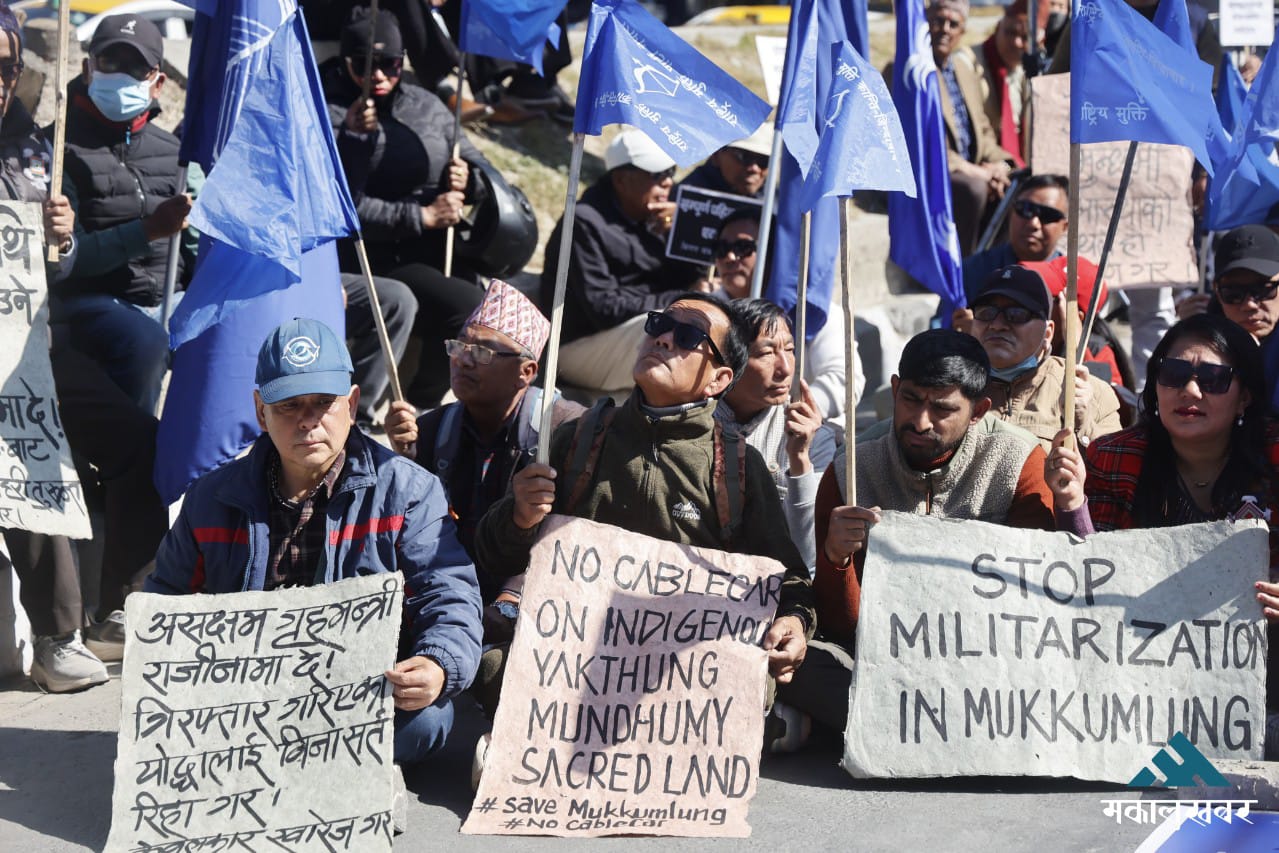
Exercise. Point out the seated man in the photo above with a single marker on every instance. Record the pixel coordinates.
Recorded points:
(617, 268)
(307, 479)
(979, 167)
(944, 456)
(1011, 320)
(123, 178)
(477, 444)
(790, 435)
(652, 471)
(1037, 221)
(739, 169)
(1005, 86)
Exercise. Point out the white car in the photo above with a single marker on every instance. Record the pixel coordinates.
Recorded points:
(174, 19)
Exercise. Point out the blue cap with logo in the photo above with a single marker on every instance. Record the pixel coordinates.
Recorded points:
(300, 357)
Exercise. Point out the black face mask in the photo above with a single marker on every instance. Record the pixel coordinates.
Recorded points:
(1056, 22)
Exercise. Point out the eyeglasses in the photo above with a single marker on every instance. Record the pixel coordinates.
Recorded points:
(124, 62)
(9, 71)
(742, 248)
(1212, 378)
(658, 177)
(1029, 210)
(390, 66)
(686, 335)
(480, 353)
(1016, 315)
(1235, 294)
(749, 158)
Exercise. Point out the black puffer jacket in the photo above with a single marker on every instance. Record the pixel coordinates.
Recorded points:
(115, 174)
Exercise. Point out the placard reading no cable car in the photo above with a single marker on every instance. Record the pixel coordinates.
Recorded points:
(984, 650)
(699, 216)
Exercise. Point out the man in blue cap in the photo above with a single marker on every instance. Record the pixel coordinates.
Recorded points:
(314, 501)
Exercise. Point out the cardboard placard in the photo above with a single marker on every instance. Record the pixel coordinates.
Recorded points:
(258, 720)
(634, 692)
(1154, 246)
(993, 651)
(39, 489)
(699, 216)
(1247, 23)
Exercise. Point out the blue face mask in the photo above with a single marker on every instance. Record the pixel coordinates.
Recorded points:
(119, 96)
(1008, 374)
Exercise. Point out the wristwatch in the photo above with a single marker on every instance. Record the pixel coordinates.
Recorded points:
(509, 609)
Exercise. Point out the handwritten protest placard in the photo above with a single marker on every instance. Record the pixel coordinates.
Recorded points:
(988, 650)
(39, 490)
(634, 693)
(1154, 245)
(699, 216)
(258, 720)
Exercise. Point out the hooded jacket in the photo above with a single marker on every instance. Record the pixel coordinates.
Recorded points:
(386, 514)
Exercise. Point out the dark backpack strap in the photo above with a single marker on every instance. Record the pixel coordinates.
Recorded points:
(584, 453)
(729, 472)
(447, 437)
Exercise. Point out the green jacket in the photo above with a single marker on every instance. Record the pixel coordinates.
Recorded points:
(654, 477)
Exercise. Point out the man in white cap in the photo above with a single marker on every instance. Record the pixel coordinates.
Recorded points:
(618, 270)
(740, 168)
(313, 502)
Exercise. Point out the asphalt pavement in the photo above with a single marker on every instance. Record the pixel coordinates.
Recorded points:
(56, 755)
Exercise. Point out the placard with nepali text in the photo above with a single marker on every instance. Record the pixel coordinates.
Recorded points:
(39, 489)
(633, 700)
(1154, 245)
(258, 720)
(699, 216)
(985, 650)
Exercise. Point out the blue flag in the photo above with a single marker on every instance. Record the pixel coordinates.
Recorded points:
(635, 71)
(815, 26)
(517, 30)
(921, 230)
(862, 145)
(257, 123)
(1262, 106)
(1130, 81)
(1245, 186)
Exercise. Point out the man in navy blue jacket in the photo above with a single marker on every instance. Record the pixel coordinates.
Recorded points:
(315, 501)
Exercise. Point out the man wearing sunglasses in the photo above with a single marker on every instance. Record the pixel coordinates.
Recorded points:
(1011, 319)
(1247, 291)
(617, 269)
(1037, 222)
(740, 168)
(654, 471)
(123, 178)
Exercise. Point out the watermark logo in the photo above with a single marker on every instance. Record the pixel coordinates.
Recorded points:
(1180, 775)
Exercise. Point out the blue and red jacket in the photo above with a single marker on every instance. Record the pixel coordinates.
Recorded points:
(386, 514)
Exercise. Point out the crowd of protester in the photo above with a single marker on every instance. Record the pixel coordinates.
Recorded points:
(670, 373)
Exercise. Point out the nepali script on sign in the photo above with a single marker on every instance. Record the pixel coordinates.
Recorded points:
(258, 720)
(1154, 245)
(634, 694)
(991, 651)
(39, 490)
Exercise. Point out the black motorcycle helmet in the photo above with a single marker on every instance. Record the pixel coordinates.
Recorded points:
(501, 234)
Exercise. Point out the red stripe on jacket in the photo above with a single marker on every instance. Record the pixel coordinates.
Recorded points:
(389, 524)
(221, 535)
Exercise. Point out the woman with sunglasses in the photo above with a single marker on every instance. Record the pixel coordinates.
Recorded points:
(824, 371)
(396, 150)
(1203, 450)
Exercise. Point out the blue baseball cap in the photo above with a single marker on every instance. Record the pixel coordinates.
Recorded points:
(300, 357)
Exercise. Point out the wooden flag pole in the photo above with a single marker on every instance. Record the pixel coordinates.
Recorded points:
(171, 263)
(392, 369)
(1072, 299)
(59, 109)
(457, 150)
(850, 401)
(557, 302)
(1094, 300)
(801, 308)
(366, 86)
(766, 218)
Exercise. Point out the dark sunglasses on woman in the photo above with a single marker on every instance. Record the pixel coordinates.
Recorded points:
(742, 248)
(686, 335)
(1212, 378)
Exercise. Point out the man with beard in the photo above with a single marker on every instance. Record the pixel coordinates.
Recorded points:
(945, 456)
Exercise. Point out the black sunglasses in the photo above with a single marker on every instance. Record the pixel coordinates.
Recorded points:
(686, 335)
(1015, 314)
(742, 248)
(749, 158)
(1235, 294)
(1029, 210)
(1212, 378)
(391, 66)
